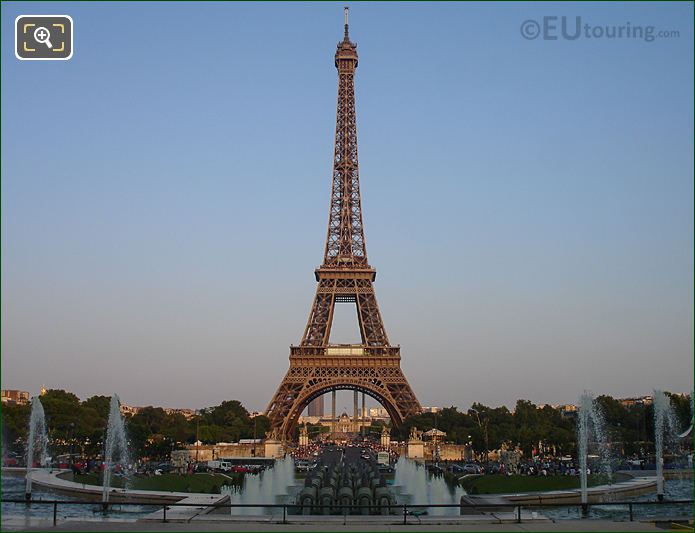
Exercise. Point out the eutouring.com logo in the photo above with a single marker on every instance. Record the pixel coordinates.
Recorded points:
(552, 28)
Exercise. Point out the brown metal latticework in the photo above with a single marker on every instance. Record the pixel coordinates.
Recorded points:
(316, 367)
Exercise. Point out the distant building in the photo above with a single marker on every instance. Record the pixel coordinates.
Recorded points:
(129, 410)
(567, 408)
(15, 397)
(378, 413)
(133, 410)
(187, 413)
(346, 424)
(341, 424)
(641, 400)
(431, 409)
(309, 419)
(316, 407)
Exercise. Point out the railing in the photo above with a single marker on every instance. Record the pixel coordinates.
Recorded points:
(406, 509)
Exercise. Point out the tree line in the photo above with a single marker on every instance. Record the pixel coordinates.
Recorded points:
(630, 427)
(76, 426)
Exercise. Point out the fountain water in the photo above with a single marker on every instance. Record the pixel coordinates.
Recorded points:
(37, 445)
(116, 445)
(414, 482)
(589, 415)
(262, 488)
(664, 428)
(692, 417)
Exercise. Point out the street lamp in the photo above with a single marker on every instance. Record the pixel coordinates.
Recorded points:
(72, 443)
(253, 450)
(435, 438)
(197, 435)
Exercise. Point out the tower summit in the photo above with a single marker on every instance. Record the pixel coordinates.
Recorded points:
(345, 276)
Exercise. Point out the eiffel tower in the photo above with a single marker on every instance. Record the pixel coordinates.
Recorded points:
(317, 367)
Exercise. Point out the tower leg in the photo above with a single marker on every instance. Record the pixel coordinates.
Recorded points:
(364, 419)
(334, 423)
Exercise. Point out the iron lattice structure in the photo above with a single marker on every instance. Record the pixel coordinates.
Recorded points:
(316, 367)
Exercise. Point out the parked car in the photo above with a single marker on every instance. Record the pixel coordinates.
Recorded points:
(435, 469)
(219, 466)
(471, 469)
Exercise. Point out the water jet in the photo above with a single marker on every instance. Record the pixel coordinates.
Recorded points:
(37, 445)
(115, 446)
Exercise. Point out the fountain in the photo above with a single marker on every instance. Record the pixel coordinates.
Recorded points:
(37, 445)
(413, 481)
(262, 488)
(664, 428)
(116, 445)
(590, 415)
(692, 417)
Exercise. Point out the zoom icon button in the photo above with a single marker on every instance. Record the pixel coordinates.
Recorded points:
(43, 37)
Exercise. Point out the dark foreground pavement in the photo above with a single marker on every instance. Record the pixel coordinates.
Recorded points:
(564, 525)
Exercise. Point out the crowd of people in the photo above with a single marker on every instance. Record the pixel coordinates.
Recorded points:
(566, 466)
(525, 467)
(139, 468)
(314, 448)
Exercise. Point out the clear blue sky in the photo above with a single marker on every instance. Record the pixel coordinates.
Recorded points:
(528, 203)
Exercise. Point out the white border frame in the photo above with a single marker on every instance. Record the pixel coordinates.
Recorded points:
(72, 39)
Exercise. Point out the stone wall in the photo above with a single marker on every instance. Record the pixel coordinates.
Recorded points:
(452, 452)
(205, 452)
(447, 452)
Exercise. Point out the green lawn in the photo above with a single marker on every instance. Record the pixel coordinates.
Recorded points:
(209, 483)
(496, 484)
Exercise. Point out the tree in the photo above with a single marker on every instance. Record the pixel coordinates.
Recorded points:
(153, 418)
(62, 410)
(15, 424)
(94, 416)
(100, 404)
(682, 406)
(177, 428)
(262, 423)
(527, 420)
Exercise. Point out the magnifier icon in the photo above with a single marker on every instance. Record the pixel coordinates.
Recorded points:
(42, 35)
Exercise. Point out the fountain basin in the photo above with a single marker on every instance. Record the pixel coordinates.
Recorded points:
(631, 487)
(50, 479)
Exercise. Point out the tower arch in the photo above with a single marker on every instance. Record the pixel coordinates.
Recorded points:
(312, 393)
